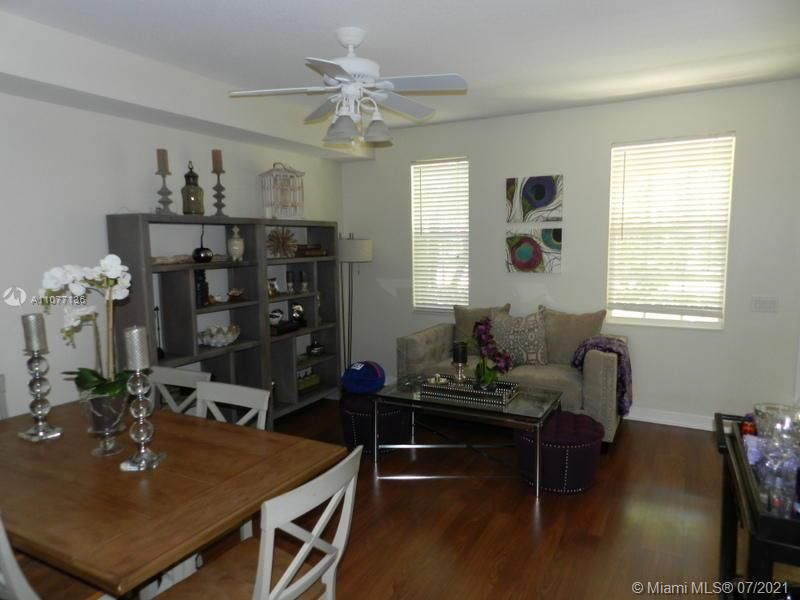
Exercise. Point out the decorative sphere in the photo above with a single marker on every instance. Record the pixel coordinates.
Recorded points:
(138, 384)
(141, 409)
(37, 365)
(298, 313)
(141, 433)
(39, 386)
(202, 255)
(40, 408)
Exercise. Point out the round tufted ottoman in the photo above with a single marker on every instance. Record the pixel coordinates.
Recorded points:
(570, 451)
(357, 414)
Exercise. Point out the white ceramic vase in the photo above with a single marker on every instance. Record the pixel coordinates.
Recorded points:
(236, 245)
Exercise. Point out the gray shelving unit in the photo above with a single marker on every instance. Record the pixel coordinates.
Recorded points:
(288, 359)
(257, 358)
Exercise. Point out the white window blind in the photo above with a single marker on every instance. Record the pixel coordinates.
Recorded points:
(668, 229)
(440, 233)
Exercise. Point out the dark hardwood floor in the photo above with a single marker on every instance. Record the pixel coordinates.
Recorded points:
(652, 515)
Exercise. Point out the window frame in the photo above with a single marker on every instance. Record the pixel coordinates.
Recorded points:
(412, 195)
(655, 318)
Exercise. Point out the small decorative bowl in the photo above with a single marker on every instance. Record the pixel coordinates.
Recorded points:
(217, 337)
(275, 316)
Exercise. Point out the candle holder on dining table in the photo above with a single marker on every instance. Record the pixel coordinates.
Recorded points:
(141, 407)
(38, 386)
(460, 360)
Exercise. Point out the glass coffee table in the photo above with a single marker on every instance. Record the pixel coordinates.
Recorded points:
(528, 411)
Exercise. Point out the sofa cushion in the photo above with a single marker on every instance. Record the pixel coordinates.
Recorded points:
(566, 331)
(465, 321)
(563, 378)
(522, 337)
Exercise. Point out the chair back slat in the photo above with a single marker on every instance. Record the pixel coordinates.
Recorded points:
(183, 378)
(211, 394)
(13, 584)
(337, 486)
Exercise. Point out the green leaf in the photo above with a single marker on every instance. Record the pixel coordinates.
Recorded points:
(87, 379)
(110, 388)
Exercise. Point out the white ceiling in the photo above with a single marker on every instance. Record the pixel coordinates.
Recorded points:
(517, 55)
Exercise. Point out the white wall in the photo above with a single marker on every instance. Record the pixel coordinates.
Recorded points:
(64, 169)
(690, 372)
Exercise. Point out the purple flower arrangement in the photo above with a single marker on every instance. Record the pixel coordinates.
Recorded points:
(482, 332)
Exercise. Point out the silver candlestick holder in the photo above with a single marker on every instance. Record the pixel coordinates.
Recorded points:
(162, 159)
(165, 193)
(39, 387)
(141, 431)
(217, 169)
(219, 196)
(460, 377)
(137, 348)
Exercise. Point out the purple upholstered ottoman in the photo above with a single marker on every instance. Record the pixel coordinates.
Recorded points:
(357, 412)
(570, 452)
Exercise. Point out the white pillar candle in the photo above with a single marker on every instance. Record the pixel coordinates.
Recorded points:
(35, 336)
(162, 160)
(137, 348)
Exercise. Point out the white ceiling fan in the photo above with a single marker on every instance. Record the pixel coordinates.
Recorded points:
(356, 88)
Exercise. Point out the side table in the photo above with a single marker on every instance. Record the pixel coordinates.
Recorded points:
(772, 538)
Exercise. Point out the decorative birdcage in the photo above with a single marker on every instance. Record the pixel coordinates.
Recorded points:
(282, 189)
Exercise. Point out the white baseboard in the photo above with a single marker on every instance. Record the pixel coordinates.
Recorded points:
(669, 417)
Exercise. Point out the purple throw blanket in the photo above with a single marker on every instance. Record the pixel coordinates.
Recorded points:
(624, 378)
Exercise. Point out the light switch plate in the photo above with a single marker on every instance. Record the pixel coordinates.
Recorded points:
(764, 304)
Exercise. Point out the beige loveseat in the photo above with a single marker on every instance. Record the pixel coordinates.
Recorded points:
(593, 391)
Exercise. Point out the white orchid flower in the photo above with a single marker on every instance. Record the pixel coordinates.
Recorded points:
(91, 273)
(119, 292)
(75, 314)
(124, 279)
(111, 279)
(74, 272)
(111, 266)
(77, 289)
(55, 279)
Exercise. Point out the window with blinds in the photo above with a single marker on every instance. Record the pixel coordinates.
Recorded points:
(440, 233)
(668, 231)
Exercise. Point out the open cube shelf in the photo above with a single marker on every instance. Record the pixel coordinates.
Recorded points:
(256, 358)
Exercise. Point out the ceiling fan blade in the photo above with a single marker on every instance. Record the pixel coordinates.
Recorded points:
(405, 106)
(322, 111)
(329, 68)
(283, 91)
(427, 84)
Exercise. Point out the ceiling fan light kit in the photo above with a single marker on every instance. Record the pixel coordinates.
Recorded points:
(357, 88)
(342, 130)
(377, 132)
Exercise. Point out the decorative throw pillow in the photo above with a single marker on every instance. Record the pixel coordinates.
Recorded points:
(465, 321)
(565, 332)
(522, 337)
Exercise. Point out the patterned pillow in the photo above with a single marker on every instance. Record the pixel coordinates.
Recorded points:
(522, 337)
(465, 321)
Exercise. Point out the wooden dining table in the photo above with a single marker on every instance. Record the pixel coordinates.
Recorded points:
(117, 530)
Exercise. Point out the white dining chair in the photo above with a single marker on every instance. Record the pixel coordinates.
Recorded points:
(211, 394)
(14, 584)
(291, 576)
(161, 377)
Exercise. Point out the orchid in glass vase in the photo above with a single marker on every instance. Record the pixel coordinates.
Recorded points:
(489, 351)
(71, 287)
